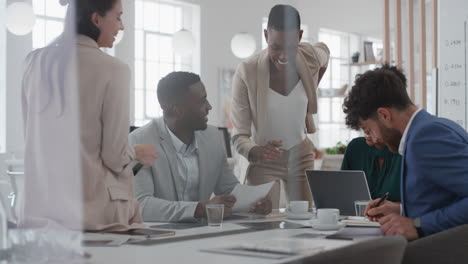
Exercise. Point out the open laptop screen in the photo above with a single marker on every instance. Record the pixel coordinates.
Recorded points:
(338, 189)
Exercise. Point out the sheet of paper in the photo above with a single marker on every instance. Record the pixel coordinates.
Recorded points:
(246, 195)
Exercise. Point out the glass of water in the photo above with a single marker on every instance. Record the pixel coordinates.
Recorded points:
(360, 207)
(214, 214)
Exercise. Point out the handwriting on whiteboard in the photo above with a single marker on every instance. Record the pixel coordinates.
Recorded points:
(452, 101)
(453, 66)
(453, 43)
(453, 83)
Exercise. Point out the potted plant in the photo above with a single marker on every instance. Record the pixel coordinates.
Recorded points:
(334, 157)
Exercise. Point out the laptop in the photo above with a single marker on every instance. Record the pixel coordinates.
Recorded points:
(338, 189)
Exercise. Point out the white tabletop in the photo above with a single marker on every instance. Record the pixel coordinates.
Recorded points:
(189, 251)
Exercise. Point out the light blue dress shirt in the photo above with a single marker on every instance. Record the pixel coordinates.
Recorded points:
(187, 164)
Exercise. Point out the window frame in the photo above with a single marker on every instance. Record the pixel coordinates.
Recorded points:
(188, 10)
(335, 120)
(44, 17)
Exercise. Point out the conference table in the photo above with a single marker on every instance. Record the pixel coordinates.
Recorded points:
(190, 245)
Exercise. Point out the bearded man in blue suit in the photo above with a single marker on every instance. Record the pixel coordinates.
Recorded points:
(434, 174)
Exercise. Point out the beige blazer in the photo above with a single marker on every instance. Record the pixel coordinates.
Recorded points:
(76, 163)
(104, 83)
(250, 88)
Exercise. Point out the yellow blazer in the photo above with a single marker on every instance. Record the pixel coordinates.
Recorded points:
(250, 88)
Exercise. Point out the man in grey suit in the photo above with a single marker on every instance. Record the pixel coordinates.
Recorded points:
(192, 163)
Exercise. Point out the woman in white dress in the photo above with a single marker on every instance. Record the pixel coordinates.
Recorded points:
(274, 97)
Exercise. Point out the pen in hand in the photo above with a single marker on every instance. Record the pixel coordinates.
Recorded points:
(382, 200)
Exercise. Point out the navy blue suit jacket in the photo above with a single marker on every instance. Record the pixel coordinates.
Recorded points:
(434, 178)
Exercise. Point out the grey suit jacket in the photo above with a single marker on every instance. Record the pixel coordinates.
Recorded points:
(157, 188)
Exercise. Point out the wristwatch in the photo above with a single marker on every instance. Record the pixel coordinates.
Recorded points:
(417, 224)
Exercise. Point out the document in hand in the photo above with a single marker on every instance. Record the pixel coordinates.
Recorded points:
(246, 195)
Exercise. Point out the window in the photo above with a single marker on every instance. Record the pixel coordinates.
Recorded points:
(155, 24)
(50, 17)
(2, 77)
(305, 34)
(339, 75)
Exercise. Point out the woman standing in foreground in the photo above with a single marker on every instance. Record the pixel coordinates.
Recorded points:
(77, 160)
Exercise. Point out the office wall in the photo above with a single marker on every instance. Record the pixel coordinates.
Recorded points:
(220, 20)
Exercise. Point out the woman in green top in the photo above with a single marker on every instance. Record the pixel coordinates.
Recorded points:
(382, 167)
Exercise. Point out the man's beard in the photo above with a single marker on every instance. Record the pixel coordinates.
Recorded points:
(391, 137)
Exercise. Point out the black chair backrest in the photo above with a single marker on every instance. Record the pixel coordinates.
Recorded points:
(227, 140)
(132, 128)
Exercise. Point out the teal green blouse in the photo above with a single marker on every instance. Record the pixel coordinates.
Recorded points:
(360, 156)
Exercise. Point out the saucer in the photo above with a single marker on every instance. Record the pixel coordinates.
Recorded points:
(303, 216)
(328, 227)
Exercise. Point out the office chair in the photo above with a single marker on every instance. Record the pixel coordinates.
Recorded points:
(448, 247)
(227, 140)
(385, 250)
(132, 128)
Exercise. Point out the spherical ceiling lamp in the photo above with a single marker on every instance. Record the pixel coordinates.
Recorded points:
(243, 45)
(183, 42)
(119, 37)
(20, 18)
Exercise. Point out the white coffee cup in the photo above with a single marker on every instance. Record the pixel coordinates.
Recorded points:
(298, 207)
(328, 216)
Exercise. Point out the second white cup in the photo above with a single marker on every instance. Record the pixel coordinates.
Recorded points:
(298, 207)
(328, 216)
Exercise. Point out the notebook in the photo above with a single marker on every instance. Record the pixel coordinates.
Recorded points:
(272, 225)
(360, 221)
(147, 233)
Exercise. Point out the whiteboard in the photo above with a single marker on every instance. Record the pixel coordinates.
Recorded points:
(452, 86)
